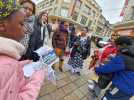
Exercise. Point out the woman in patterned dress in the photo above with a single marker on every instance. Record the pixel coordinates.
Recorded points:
(80, 51)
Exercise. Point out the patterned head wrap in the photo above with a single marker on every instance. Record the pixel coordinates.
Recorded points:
(7, 7)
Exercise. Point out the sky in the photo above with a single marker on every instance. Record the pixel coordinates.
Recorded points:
(111, 9)
(36, 1)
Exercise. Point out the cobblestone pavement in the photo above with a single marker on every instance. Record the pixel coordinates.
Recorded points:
(68, 86)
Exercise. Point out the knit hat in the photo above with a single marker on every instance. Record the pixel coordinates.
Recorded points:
(123, 40)
(7, 7)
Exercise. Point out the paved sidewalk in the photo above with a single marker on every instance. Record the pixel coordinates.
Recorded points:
(68, 86)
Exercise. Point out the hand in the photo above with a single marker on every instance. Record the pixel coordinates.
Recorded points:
(25, 62)
(30, 56)
(34, 56)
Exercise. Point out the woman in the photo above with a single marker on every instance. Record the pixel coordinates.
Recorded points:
(29, 9)
(80, 51)
(41, 33)
(13, 85)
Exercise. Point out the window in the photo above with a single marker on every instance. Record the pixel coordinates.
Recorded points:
(42, 5)
(50, 11)
(83, 20)
(67, 1)
(98, 30)
(51, 1)
(93, 13)
(75, 16)
(87, 10)
(56, 11)
(132, 17)
(57, 1)
(64, 12)
(89, 23)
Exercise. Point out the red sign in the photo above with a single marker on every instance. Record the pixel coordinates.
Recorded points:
(125, 6)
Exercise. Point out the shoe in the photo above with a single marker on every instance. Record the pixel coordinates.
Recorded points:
(93, 88)
(53, 67)
(78, 73)
(91, 84)
(61, 69)
(92, 94)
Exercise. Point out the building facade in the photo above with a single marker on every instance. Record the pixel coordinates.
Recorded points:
(82, 12)
(126, 27)
(128, 10)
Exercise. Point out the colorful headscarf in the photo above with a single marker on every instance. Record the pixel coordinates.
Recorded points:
(7, 7)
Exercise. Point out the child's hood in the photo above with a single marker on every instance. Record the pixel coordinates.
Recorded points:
(11, 48)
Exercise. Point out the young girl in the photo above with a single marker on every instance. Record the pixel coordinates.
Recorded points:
(80, 51)
(13, 85)
(59, 42)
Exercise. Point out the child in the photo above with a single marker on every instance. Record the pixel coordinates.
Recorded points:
(59, 42)
(94, 59)
(101, 57)
(13, 85)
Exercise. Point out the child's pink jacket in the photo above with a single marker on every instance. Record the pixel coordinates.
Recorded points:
(13, 85)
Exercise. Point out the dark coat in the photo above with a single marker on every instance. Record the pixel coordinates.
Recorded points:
(85, 51)
(35, 41)
(72, 40)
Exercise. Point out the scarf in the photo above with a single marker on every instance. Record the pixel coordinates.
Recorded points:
(29, 25)
(44, 37)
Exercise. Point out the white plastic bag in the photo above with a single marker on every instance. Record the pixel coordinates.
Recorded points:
(47, 59)
(51, 75)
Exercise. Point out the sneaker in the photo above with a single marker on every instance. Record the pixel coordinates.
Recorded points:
(61, 69)
(78, 73)
(92, 94)
(94, 88)
(91, 84)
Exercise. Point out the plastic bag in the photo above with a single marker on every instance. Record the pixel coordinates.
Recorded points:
(47, 59)
(51, 75)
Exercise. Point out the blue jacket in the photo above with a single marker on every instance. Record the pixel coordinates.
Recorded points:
(122, 78)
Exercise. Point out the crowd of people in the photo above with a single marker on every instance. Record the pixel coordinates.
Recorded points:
(22, 32)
